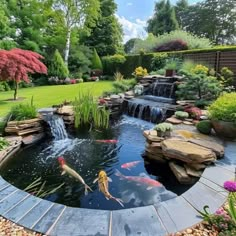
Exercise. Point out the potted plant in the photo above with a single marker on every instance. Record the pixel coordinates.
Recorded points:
(171, 67)
(223, 115)
(164, 129)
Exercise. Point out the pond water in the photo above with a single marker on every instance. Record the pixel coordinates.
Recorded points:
(87, 156)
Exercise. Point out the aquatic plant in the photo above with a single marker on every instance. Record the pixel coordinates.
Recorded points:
(37, 188)
(3, 143)
(87, 111)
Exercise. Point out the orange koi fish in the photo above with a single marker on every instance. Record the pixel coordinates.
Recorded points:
(67, 170)
(103, 180)
(151, 183)
(130, 165)
(107, 141)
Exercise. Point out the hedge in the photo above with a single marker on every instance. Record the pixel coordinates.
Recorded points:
(144, 60)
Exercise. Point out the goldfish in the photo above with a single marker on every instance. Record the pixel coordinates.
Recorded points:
(140, 180)
(67, 170)
(103, 180)
(129, 165)
(107, 141)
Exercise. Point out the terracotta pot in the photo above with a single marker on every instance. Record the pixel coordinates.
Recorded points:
(224, 128)
(170, 73)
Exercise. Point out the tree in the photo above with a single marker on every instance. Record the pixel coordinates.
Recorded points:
(76, 13)
(57, 66)
(130, 44)
(163, 20)
(96, 61)
(106, 35)
(16, 64)
(180, 8)
(214, 19)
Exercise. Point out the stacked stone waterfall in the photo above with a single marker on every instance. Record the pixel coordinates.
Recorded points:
(187, 157)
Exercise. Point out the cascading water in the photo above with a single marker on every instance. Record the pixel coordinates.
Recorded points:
(163, 89)
(57, 127)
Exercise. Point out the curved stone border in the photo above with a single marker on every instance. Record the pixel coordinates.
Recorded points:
(159, 220)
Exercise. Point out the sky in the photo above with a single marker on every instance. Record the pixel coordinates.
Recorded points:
(133, 14)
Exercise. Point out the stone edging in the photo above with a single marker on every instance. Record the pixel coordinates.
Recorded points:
(159, 220)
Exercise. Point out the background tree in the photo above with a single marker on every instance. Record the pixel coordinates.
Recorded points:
(57, 66)
(76, 13)
(180, 8)
(129, 45)
(163, 20)
(106, 35)
(16, 64)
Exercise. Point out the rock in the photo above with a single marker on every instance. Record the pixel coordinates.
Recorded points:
(151, 135)
(204, 118)
(30, 139)
(129, 93)
(180, 173)
(186, 151)
(66, 110)
(114, 97)
(187, 123)
(188, 134)
(197, 166)
(128, 97)
(215, 147)
(156, 157)
(193, 172)
(173, 121)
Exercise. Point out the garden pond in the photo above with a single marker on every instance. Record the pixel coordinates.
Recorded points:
(83, 152)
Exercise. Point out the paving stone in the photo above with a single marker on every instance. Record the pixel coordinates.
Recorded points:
(6, 191)
(44, 224)
(230, 152)
(137, 221)
(3, 183)
(11, 199)
(217, 174)
(207, 196)
(35, 214)
(22, 208)
(78, 221)
(181, 214)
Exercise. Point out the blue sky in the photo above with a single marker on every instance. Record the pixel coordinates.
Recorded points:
(133, 15)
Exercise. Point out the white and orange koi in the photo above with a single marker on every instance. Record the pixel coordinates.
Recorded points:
(151, 183)
(103, 180)
(130, 165)
(67, 170)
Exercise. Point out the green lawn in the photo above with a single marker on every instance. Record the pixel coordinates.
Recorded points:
(46, 96)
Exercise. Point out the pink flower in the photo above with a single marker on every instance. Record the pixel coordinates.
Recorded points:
(230, 186)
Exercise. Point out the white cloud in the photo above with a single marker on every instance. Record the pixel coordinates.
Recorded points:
(132, 29)
(129, 4)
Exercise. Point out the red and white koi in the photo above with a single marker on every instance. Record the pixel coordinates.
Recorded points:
(107, 141)
(67, 170)
(130, 165)
(151, 183)
(103, 180)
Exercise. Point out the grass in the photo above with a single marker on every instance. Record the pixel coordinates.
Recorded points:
(46, 96)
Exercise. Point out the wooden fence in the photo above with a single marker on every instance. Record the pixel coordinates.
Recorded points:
(215, 60)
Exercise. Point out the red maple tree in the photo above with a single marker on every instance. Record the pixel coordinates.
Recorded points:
(16, 64)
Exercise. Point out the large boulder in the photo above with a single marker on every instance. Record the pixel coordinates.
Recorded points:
(186, 151)
(151, 136)
(66, 111)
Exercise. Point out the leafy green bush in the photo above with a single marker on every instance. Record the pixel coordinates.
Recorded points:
(113, 63)
(23, 112)
(118, 76)
(226, 76)
(123, 85)
(159, 61)
(3, 143)
(224, 108)
(163, 129)
(57, 67)
(96, 61)
(181, 115)
(204, 127)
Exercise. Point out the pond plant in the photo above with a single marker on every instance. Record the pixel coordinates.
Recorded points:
(3, 143)
(89, 112)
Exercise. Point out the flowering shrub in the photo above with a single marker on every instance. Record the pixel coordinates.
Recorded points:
(53, 80)
(79, 80)
(200, 69)
(73, 81)
(140, 71)
(67, 81)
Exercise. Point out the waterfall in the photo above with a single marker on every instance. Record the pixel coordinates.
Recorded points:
(57, 127)
(141, 111)
(163, 89)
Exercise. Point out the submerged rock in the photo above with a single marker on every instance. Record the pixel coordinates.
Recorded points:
(186, 151)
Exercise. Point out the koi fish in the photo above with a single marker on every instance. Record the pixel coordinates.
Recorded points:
(107, 141)
(67, 170)
(129, 165)
(103, 180)
(140, 180)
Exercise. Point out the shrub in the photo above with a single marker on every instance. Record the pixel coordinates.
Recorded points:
(200, 69)
(3, 143)
(204, 127)
(4, 86)
(194, 112)
(23, 112)
(140, 71)
(118, 76)
(123, 85)
(163, 129)
(53, 80)
(96, 61)
(226, 77)
(79, 81)
(113, 63)
(224, 108)
(85, 77)
(159, 61)
(174, 45)
(67, 81)
(181, 115)
(57, 67)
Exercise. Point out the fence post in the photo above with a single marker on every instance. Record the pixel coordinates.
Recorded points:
(217, 63)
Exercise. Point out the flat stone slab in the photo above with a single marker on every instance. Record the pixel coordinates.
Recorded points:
(136, 221)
